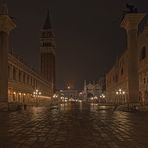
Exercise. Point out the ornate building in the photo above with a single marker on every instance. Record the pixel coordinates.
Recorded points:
(123, 82)
(19, 83)
(91, 89)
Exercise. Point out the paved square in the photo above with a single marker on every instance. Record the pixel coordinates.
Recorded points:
(73, 126)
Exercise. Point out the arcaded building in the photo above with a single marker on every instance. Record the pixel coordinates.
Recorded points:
(117, 78)
(19, 82)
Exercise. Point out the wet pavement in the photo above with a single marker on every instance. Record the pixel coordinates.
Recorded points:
(73, 126)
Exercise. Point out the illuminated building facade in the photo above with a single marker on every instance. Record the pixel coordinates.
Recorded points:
(19, 83)
(128, 79)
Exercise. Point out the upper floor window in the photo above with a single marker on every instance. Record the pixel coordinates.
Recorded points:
(116, 78)
(143, 53)
(28, 79)
(122, 71)
(24, 77)
(19, 75)
(14, 73)
(9, 72)
(144, 80)
(47, 44)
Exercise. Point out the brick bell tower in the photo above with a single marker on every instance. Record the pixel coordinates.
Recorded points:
(47, 53)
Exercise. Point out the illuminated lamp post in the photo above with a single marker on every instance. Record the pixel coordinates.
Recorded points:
(36, 94)
(121, 96)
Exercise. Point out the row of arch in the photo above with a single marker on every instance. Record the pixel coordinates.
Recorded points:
(16, 74)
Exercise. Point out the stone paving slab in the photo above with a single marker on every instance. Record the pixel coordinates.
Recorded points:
(73, 127)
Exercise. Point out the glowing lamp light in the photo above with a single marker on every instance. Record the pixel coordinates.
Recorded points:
(80, 93)
(91, 98)
(102, 96)
(62, 98)
(117, 92)
(120, 90)
(95, 97)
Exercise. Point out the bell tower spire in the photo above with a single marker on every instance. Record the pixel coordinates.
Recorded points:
(47, 24)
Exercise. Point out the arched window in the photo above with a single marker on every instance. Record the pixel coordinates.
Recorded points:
(28, 79)
(14, 73)
(144, 80)
(24, 77)
(122, 71)
(8, 71)
(143, 53)
(19, 76)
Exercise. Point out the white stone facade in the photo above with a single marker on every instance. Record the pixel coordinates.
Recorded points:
(23, 81)
(117, 77)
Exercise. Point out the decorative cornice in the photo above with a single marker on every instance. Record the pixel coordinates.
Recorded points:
(6, 23)
(132, 20)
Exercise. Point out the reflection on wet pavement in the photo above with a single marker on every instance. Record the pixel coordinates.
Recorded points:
(73, 126)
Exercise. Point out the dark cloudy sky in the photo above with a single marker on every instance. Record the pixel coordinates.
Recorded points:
(88, 34)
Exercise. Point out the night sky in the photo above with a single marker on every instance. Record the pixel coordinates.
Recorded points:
(88, 34)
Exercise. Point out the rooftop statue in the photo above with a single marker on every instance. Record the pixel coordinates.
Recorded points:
(131, 8)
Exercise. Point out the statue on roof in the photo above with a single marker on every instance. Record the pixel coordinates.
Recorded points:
(131, 8)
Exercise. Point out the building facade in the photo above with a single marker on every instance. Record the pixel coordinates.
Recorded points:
(68, 93)
(19, 83)
(118, 78)
(23, 81)
(92, 89)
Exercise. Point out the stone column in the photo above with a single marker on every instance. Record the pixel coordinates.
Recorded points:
(6, 25)
(130, 24)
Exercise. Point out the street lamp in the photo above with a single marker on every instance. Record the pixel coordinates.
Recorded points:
(117, 92)
(92, 98)
(95, 97)
(36, 94)
(102, 96)
(120, 93)
(55, 96)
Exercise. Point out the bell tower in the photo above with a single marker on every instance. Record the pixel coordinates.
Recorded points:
(47, 53)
